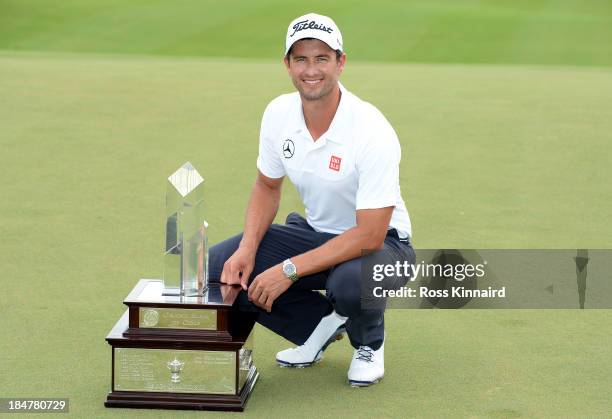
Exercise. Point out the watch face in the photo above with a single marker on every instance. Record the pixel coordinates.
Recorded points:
(289, 269)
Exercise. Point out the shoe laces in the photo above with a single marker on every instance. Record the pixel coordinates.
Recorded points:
(365, 353)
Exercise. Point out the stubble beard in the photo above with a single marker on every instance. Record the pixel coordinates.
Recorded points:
(325, 90)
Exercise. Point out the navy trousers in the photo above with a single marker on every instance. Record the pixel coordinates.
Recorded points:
(297, 312)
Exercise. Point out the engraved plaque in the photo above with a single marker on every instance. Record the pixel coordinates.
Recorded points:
(177, 318)
(175, 371)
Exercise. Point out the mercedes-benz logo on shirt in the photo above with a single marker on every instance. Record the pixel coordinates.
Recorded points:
(288, 148)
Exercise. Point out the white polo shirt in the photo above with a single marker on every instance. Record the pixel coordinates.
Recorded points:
(354, 165)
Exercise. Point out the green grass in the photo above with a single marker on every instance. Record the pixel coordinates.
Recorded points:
(574, 32)
(493, 156)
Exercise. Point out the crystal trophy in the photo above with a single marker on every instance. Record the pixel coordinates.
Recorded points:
(180, 344)
(186, 247)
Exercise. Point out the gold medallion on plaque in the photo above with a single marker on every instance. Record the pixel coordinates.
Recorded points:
(150, 318)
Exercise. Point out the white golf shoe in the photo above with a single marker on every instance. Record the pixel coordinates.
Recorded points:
(329, 329)
(367, 366)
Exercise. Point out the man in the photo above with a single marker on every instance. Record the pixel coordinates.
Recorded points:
(343, 157)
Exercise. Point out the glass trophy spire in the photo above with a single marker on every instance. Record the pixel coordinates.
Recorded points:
(186, 247)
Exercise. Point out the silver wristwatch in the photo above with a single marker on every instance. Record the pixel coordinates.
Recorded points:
(290, 270)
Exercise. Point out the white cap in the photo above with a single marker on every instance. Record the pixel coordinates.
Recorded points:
(314, 26)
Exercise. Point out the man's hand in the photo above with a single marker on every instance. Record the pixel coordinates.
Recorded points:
(267, 286)
(238, 267)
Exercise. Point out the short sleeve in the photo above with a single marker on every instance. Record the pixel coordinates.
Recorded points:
(268, 161)
(378, 167)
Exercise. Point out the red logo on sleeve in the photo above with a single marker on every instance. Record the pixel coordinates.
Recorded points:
(334, 163)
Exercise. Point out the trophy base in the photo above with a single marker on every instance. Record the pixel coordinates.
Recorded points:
(187, 353)
(145, 400)
(176, 292)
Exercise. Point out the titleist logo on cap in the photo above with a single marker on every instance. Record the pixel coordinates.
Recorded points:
(306, 24)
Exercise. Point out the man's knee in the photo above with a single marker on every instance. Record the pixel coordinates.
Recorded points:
(344, 288)
(218, 254)
(296, 219)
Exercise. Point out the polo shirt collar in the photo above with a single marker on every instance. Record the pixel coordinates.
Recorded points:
(334, 133)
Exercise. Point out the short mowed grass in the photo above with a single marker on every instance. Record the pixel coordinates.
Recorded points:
(100, 101)
(492, 157)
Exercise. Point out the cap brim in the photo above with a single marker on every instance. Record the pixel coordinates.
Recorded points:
(309, 36)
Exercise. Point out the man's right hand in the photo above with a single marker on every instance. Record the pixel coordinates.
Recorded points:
(238, 268)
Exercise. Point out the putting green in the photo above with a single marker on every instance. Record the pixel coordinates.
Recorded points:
(493, 156)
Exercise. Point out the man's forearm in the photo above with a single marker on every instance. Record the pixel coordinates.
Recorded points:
(368, 234)
(346, 246)
(261, 210)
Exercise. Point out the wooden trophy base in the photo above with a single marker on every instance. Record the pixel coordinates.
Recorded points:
(145, 400)
(181, 353)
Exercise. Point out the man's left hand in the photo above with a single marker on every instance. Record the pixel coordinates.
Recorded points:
(267, 286)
